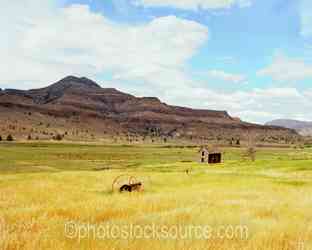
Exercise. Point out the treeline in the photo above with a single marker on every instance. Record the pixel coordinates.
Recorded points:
(8, 138)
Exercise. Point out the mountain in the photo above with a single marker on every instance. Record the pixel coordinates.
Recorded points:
(79, 108)
(302, 127)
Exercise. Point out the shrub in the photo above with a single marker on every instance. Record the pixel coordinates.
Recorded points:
(10, 138)
(58, 137)
(238, 142)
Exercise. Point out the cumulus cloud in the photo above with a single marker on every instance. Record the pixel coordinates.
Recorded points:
(227, 77)
(77, 40)
(288, 69)
(195, 4)
(42, 43)
(256, 105)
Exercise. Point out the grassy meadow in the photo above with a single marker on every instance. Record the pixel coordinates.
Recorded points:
(45, 186)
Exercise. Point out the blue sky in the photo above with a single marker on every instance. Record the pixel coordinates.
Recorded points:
(252, 58)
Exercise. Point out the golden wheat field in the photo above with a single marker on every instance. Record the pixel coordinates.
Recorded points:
(59, 196)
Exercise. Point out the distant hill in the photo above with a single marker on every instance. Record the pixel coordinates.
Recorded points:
(78, 108)
(302, 127)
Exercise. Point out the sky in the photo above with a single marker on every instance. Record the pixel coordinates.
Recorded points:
(252, 58)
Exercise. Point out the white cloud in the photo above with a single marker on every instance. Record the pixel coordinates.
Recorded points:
(308, 93)
(195, 4)
(228, 77)
(255, 116)
(257, 105)
(43, 43)
(288, 69)
(277, 93)
(78, 41)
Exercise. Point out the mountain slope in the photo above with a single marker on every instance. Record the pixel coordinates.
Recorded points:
(79, 108)
(302, 127)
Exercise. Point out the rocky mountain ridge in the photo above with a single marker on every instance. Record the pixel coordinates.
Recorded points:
(79, 108)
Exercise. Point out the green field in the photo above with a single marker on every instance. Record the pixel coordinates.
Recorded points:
(46, 186)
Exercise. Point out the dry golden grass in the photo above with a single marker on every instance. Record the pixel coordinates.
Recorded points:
(35, 208)
(273, 203)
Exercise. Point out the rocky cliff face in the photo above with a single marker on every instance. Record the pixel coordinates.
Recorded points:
(79, 108)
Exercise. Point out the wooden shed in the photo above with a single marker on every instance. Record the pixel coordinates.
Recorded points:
(210, 155)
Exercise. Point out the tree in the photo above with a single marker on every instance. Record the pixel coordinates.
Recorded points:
(238, 142)
(10, 138)
(29, 138)
(0, 138)
(232, 141)
(58, 137)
